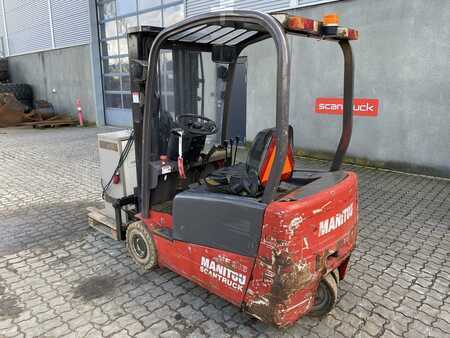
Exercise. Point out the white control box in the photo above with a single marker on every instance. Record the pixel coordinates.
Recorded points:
(110, 147)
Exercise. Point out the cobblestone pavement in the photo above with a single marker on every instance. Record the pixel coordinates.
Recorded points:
(60, 278)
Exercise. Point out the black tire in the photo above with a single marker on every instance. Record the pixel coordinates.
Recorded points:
(3, 65)
(22, 92)
(140, 246)
(326, 296)
(4, 76)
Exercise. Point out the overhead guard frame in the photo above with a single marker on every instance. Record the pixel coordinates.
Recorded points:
(266, 26)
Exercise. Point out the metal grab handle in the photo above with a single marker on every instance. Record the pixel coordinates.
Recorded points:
(347, 119)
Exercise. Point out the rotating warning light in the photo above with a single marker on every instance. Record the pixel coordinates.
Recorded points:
(331, 19)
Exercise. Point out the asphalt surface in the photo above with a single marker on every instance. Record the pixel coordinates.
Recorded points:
(59, 278)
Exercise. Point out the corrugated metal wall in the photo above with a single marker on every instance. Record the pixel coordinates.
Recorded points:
(70, 22)
(194, 7)
(45, 24)
(28, 25)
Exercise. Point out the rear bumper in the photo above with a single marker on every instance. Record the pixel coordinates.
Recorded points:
(302, 241)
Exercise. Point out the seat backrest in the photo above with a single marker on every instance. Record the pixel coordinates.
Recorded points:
(262, 155)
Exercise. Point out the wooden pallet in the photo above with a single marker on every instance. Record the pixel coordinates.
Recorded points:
(51, 123)
(102, 223)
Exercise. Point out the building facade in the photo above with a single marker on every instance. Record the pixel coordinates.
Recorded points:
(78, 49)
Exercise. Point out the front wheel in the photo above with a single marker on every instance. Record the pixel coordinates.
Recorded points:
(140, 246)
(326, 296)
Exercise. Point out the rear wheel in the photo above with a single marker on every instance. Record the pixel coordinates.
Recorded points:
(140, 245)
(326, 296)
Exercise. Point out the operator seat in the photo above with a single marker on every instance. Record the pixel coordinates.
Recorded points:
(250, 178)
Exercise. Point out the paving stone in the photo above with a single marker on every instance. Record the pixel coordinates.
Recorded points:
(170, 334)
(158, 327)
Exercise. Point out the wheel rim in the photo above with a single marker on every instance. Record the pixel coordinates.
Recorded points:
(139, 246)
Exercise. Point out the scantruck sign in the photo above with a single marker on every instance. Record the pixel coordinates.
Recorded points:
(335, 106)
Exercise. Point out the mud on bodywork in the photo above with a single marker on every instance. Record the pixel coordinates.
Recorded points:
(293, 257)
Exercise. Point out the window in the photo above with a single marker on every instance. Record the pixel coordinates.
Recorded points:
(149, 4)
(173, 14)
(115, 17)
(107, 10)
(123, 24)
(108, 30)
(123, 46)
(112, 83)
(125, 7)
(111, 65)
(113, 100)
(151, 18)
(110, 48)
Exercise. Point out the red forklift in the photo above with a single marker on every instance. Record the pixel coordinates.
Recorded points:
(267, 237)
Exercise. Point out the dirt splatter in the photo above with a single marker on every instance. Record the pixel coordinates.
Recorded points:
(289, 277)
(94, 287)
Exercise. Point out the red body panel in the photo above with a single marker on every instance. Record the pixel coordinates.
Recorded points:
(223, 273)
(301, 241)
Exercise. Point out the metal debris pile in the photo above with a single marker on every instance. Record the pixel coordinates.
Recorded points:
(13, 113)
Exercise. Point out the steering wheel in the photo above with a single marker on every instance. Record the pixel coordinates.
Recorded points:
(197, 125)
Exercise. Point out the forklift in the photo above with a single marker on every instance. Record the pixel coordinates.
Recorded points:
(267, 237)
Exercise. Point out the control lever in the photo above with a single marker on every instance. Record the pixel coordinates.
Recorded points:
(225, 144)
(231, 151)
(236, 149)
(179, 133)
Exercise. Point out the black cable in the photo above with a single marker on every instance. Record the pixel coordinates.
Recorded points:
(123, 157)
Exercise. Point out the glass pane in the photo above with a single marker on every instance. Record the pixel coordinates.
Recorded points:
(107, 10)
(111, 65)
(173, 14)
(112, 83)
(152, 18)
(123, 46)
(124, 65)
(113, 100)
(166, 71)
(110, 48)
(108, 30)
(127, 101)
(125, 83)
(168, 103)
(125, 7)
(148, 4)
(124, 24)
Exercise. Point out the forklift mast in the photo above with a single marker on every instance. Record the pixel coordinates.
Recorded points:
(187, 68)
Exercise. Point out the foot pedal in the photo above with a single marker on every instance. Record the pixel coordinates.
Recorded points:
(102, 223)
